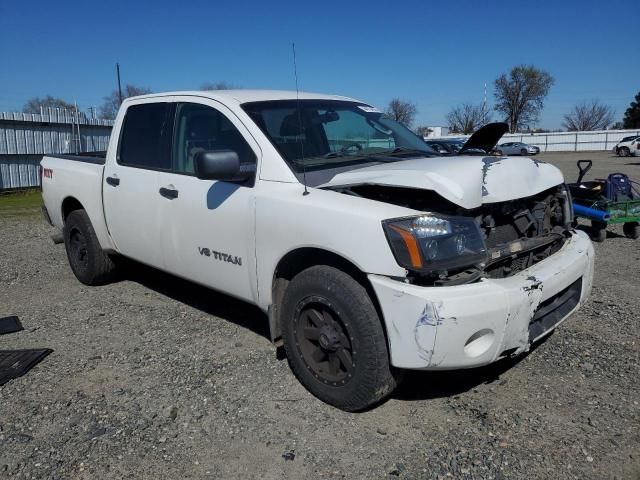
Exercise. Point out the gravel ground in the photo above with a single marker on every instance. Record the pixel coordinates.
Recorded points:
(153, 377)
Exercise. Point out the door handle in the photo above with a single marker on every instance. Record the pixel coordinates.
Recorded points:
(113, 181)
(169, 193)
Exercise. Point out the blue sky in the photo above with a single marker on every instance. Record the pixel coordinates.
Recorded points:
(436, 54)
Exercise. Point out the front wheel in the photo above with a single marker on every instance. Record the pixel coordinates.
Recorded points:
(86, 258)
(631, 230)
(623, 152)
(334, 340)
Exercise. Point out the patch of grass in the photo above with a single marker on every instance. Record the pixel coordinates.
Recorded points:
(20, 203)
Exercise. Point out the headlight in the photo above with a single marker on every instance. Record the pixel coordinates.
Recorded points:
(433, 243)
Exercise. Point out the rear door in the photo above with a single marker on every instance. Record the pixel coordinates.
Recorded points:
(130, 190)
(207, 226)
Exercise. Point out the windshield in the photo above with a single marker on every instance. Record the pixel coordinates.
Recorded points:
(325, 134)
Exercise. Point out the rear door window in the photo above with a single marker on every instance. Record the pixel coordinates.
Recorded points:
(146, 136)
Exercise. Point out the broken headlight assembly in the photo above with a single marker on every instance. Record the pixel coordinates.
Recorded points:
(435, 243)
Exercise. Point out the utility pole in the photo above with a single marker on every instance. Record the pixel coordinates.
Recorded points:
(484, 105)
(119, 86)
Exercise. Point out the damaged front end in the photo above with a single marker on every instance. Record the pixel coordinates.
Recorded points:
(451, 245)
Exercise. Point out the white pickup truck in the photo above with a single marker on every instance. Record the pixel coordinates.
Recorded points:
(369, 252)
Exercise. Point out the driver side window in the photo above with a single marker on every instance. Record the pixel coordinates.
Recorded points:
(200, 128)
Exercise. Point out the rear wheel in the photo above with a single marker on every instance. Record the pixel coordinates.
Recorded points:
(623, 152)
(523, 151)
(631, 230)
(334, 340)
(598, 231)
(86, 258)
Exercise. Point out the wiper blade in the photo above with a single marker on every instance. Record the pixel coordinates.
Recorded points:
(397, 150)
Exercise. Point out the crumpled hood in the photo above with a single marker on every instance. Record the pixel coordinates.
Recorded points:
(467, 181)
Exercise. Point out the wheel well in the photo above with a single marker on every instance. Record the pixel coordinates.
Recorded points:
(298, 260)
(69, 205)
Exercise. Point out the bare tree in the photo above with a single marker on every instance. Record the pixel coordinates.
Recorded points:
(520, 95)
(218, 86)
(33, 104)
(467, 118)
(588, 116)
(402, 111)
(111, 104)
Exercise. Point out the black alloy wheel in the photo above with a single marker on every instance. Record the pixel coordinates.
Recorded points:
(78, 249)
(323, 341)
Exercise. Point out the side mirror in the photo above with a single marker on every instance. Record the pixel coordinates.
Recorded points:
(221, 165)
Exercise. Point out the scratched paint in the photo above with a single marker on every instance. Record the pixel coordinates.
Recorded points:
(425, 331)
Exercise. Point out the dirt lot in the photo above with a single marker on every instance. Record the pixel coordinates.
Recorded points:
(153, 377)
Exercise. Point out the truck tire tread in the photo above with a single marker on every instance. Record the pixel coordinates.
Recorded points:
(374, 378)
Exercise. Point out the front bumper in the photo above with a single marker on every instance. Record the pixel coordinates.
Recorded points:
(476, 324)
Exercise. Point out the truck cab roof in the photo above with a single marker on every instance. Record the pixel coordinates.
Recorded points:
(245, 96)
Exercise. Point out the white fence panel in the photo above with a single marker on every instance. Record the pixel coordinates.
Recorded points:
(599, 140)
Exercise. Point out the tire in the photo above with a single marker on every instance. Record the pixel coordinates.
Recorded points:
(329, 322)
(623, 152)
(86, 258)
(598, 232)
(523, 151)
(631, 230)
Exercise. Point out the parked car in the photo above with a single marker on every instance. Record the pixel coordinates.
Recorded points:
(455, 145)
(518, 148)
(441, 147)
(628, 146)
(445, 146)
(368, 252)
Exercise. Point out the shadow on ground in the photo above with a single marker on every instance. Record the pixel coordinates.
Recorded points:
(589, 231)
(201, 298)
(416, 385)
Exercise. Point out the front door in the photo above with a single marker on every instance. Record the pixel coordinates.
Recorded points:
(207, 227)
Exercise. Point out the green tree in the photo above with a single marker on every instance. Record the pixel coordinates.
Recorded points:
(632, 115)
(520, 95)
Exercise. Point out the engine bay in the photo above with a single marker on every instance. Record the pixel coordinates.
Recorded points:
(517, 233)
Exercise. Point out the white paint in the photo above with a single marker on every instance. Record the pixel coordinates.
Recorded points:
(461, 179)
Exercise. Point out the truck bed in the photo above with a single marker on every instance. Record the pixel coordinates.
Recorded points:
(69, 180)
